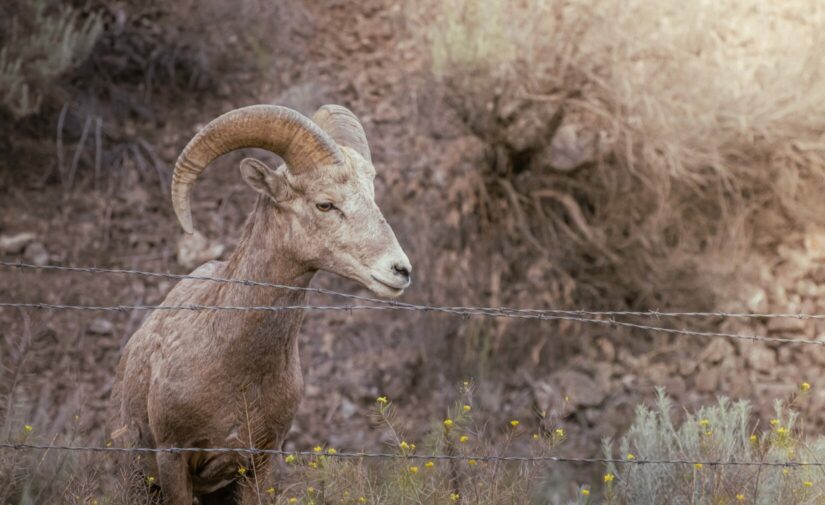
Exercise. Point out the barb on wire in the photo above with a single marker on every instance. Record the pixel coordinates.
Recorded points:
(431, 308)
(460, 312)
(382, 455)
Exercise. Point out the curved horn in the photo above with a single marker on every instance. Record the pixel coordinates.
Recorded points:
(301, 143)
(343, 126)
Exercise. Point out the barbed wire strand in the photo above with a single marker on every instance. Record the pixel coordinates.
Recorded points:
(431, 308)
(460, 312)
(382, 455)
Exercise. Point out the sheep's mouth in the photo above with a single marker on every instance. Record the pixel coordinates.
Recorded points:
(394, 289)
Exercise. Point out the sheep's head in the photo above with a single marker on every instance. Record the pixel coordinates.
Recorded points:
(324, 191)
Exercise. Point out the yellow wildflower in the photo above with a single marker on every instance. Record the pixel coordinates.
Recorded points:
(535, 436)
(404, 445)
(454, 496)
(698, 466)
(150, 480)
(317, 448)
(241, 470)
(774, 422)
(331, 451)
(585, 492)
(631, 456)
(412, 447)
(785, 471)
(740, 497)
(413, 469)
(346, 493)
(753, 439)
(313, 465)
(466, 408)
(448, 423)
(463, 438)
(608, 478)
(271, 491)
(559, 432)
(703, 423)
(28, 428)
(472, 462)
(429, 464)
(382, 400)
(293, 500)
(804, 387)
(781, 430)
(310, 490)
(361, 499)
(808, 483)
(514, 423)
(289, 459)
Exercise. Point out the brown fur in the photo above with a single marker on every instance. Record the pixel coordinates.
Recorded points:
(224, 378)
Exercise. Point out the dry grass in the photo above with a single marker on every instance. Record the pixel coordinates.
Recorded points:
(639, 147)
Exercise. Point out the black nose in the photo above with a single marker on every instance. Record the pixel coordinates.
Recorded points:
(401, 270)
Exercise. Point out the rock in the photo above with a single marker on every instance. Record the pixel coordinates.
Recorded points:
(347, 408)
(657, 373)
(14, 244)
(194, 250)
(756, 299)
(815, 245)
(579, 388)
(761, 358)
(805, 287)
(674, 386)
(546, 396)
(786, 325)
(36, 253)
(101, 326)
(571, 148)
(707, 380)
(716, 351)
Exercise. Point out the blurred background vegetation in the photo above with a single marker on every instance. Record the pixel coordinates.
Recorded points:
(531, 153)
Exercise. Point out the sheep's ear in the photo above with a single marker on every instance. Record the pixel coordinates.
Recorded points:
(264, 180)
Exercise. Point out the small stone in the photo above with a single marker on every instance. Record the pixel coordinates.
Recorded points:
(101, 326)
(761, 358)
(757, 299)
(347, 408)
(707, 380)
(815, 245)
(716, 351)
(786, 325)
(14, 244)
(195, 250)
(579, 388)
(37, 254)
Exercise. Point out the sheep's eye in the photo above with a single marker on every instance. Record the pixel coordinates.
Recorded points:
(325, 206)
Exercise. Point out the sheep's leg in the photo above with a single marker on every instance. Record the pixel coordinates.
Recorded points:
(173, 473)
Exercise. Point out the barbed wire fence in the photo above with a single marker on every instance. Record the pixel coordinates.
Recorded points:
(608, 318)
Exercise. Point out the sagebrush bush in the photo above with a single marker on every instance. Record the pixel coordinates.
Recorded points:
(723, 432)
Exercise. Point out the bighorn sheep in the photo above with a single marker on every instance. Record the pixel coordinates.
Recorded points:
(228, 379)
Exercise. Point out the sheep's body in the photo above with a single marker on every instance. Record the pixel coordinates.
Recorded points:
(252, 369)
(229, 378)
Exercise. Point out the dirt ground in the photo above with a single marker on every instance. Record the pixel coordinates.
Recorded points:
(364, 57)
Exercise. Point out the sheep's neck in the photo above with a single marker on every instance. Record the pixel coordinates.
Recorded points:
(261, 340)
